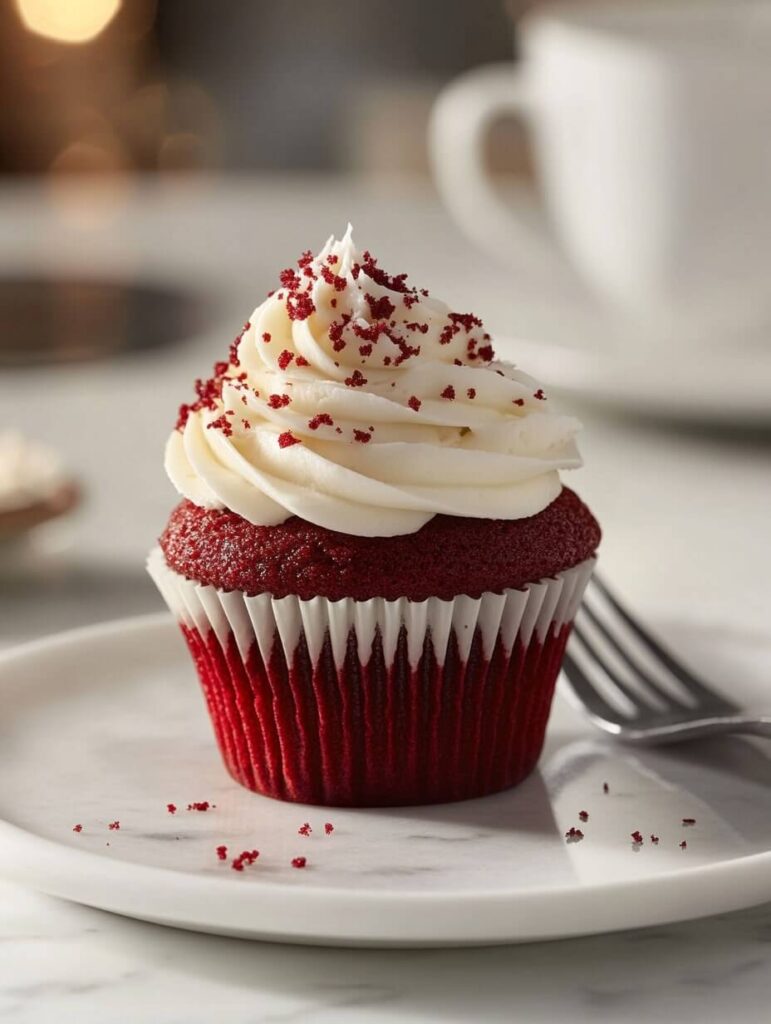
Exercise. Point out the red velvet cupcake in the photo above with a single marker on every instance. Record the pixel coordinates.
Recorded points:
(375, 566)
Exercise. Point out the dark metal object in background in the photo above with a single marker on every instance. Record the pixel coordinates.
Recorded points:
(59, 320)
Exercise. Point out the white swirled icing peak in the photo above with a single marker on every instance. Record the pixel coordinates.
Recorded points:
(366, 406)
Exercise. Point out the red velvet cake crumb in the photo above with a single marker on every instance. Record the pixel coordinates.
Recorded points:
(171, 808)
(245, 857)
(574, 835)
(199, 805)
(637, 837)
(583, 815)
(605, 787)
(305, 829)
(114, 826)
(689, 821)
(448, 556)
(287, 439)
(683, 845)
(329, 828)
(222, 852)
(654, 839)
(77, 828)
(299, 862)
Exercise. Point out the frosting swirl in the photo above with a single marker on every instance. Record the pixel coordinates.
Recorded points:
(366, 406)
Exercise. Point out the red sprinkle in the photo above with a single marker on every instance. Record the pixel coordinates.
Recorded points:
(222, 852)
(278, 401)
(689, 821)
(302, 361)
(382, 308)
(171, 808)
(356, 380)
(574, 835)
(414, 402)
(199, 805)
(449, 392)
(329, 828)
(305, 829)
(299, 306)
(321, 418)
(246, 857)
(77, 828)
(583, 815)
(287, 439)
(266, 336)
(114, 826)
(362, 436)
(221, 423)
(637, 837)
(285, 359)
(299, 862)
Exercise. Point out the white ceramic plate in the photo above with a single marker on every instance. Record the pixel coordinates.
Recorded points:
(106, 724)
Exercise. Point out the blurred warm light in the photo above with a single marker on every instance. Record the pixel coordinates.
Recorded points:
(67, 21)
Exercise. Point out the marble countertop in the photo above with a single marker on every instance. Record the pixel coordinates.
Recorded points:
(64, 963)
(669, 501)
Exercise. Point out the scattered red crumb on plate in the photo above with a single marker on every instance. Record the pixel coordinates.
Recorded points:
(304, 829)
(654, 839)
(689, 821)
(222, 852)
(583, 815)
(77, 828)
(329, 828)
(637, 837)
(299, 862)
(171, 808)
(683, 845)
(114, 826)
(199, 805)
(574, 835)
(605, 787)
(245, 857)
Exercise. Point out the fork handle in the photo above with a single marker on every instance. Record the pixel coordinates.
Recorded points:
(757, 726)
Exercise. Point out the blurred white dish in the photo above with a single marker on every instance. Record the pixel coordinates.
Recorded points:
(106, 724)
(715, 386)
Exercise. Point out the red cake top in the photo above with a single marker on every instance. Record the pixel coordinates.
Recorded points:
(448, 556)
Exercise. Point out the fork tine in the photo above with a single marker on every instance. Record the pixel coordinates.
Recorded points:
(590, 698)
(678, 670)
(596, 655)
(626, 656)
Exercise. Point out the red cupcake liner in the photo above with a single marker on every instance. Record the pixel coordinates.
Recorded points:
(368, 712)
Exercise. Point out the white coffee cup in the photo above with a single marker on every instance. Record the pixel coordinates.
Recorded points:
(651, 122)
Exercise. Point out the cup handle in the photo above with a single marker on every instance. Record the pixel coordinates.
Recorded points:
(460, 121)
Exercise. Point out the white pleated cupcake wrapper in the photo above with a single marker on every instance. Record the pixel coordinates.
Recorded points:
(537, 609)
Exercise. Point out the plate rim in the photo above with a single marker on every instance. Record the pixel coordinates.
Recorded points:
(51, 866)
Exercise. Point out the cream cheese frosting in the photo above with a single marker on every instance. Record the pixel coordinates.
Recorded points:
(366, 406)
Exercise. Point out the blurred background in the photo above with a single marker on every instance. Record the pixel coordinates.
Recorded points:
(160, 162)
(138, 85)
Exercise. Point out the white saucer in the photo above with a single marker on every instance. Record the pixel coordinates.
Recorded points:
(724, 388)
(107, 724)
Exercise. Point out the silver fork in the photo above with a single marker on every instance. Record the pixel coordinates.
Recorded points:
(634, 688)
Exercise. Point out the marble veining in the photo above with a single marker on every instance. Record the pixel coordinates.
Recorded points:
(64, 963)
